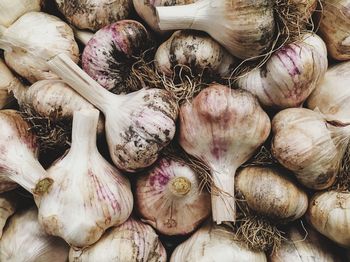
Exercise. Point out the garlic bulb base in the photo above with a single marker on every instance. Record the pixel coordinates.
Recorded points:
(180, 186)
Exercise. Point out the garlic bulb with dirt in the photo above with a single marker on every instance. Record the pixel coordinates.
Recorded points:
(25, 49)
(7, 81)
(270, 192)
(305, 244)
(216, 244)
(11, 10)
(138, 125)
(290, 75)
(329, 214)
(82, 194)
(25, 240)
(109, 55)
(8, 205)
(94, 14)
(332, 96)
(335, 28)
(147, 10)
(170, 198)
(133, 241)
(309, 144)
(196, 50)
(223, 128)
(246, 29)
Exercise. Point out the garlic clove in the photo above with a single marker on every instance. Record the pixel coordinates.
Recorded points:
(133, 241)
(25, 240)
(271, 193)
(8, 206)
(7, 81)
(290, 75)
(169, 197)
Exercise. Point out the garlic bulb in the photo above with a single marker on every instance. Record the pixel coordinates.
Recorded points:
(24, 49)
(169, 198)
(310, 145)
(8, 206)
(146, 10)
(7, 81)
(214, 244)
(138, 125)
(290, 75)
(223, 128)
(196, 50)
(6, 184)
(329, 213)
(332, 95)
(336, 15)
(94, 14)
(133, 241)
(304, 244)
(11, 10)
(244, 28)
(25, 240)
(110, 54)
(82, 194)
(271, 193)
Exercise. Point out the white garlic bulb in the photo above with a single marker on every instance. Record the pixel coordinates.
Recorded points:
(214, 244)
(25, 240)
(133, 241)
(7, 81)
(8, 204)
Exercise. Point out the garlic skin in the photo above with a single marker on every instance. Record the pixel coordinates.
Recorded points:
(86, 194)
(332, 96)
(94, 14)
(310, 145)
(196, 50)
(271, 193)
(138, 125)
(7, 80)
(25, 50)
(214, 244)
(244, 28)
(304, 244)
(290, 75)
(8, 205)
(146, 10)
(11, 10)
(25, 240)
(336, 14)
(329, 214)
(133, 241)
(169, 198)
(223, 127)
(110, 54)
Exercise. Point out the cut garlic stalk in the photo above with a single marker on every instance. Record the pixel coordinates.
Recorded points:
(8, 204)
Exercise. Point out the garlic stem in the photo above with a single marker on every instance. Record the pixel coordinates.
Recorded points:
(180, 186)
(83, 36)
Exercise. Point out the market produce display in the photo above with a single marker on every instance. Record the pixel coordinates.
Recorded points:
(181, 131)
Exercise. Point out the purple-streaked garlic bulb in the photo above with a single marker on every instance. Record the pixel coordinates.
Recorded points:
(25, 240)
(170, 198)
(194, 49)
(7, 81)
(290, 75)
(133, 241)
(8, 205)
(83, 194)
(223, 127)
(26, 50)
(94, 14)
(138, 125)
(309, 144)
(110, 54)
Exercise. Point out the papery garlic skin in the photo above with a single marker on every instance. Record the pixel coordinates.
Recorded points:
(329, 214)
(133, 241)
(309, 145)
(214, 244)
(8, 205)
(25, 240)
(304, 244)
(7, 81)
(87, 195)
(332, 96)
(223, 127)
(336, 15)
(196, 50)
(271, 193)
(25, 50)
(169, 197)
(290, 75)
(94, 14)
